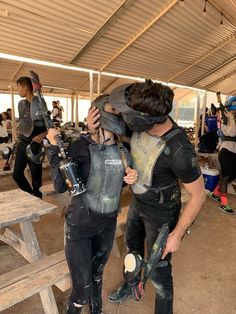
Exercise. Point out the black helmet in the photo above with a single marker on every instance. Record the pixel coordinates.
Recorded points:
(108, 121)
(35, 152)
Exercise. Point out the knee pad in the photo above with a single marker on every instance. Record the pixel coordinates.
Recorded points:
(133, 264)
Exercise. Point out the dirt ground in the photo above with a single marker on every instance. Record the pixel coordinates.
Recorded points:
(204, 268)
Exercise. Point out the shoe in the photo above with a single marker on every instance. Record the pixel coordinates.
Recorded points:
(214, 197)
(71, 309)
(121, 294)
(226, 209)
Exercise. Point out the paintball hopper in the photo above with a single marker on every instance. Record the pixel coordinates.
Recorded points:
(35, 152)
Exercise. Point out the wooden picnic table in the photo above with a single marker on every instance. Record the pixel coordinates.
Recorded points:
(18, 207)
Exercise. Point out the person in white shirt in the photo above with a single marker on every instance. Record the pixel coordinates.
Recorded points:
(3, 131)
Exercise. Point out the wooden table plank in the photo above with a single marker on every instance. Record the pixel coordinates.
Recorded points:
(17, 206)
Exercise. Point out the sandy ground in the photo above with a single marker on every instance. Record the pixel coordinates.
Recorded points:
(204, 268)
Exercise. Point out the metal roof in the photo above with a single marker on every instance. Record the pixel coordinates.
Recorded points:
(169, 40)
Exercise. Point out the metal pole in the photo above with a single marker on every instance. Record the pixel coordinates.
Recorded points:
(72, 108)
(197, 118)
(13, 118)
(203, 112)
(67, 107)
(76, 110)
(91, 86)
(99, 84)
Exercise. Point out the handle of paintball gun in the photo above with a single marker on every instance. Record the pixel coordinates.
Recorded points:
(60, 145)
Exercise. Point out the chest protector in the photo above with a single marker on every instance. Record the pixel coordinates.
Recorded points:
(145, 151)
(105, 178)
(30, 115)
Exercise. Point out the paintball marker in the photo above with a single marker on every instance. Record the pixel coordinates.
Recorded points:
(68, 168)
(134, 263)
(229, 106)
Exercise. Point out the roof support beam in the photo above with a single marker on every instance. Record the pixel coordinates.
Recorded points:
(140, 33)
(232, 92)
(206, 55)
(100, 31)
(213, 71)
(18, 69)
(110, 84)
(221, 79)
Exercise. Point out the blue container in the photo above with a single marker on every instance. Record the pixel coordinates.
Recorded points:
(211, 178)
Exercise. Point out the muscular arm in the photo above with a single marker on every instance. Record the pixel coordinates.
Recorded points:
(189, 214)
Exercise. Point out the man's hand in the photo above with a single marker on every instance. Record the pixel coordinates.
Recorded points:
(131, 176)
(196, 190)
(40, 137)
(92, 119)
(51, 136)
(172, 244)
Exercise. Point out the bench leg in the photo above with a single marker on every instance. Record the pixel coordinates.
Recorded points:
(32, 245)
(48, 301)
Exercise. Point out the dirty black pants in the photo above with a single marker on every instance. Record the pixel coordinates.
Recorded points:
(88, 247)
(144, 223)
(21, 161)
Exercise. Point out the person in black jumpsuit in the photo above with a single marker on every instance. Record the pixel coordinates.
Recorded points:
(89, 233)
(145, 108)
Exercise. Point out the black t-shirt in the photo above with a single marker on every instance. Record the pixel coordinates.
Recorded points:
(177, 162)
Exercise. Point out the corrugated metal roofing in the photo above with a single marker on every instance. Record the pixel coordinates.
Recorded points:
(156, 39)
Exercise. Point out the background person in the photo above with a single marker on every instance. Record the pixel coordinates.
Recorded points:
(3, 131)
(56, 114)
(227, 159)
(31, 129)
(6, 117)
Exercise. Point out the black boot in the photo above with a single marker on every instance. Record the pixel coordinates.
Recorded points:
(122, 293)
(71, 309)
(95, 302)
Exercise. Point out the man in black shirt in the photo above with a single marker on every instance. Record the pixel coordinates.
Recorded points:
(30, 129)
(162, 155)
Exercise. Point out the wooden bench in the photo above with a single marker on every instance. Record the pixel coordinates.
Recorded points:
(22, 283)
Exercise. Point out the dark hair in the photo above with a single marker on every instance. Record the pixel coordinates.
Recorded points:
(149, 97)
(7, 114)
(25, 81)
(1, 119)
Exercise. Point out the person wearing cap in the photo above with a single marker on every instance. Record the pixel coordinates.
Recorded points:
(103, 163)
(162, 155)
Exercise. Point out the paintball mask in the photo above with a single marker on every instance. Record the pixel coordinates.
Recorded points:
(35, 152)
(137, 121)
(6, 153)
(108, 121)
(231, 104)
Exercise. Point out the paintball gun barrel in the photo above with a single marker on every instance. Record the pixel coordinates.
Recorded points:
(68, 168)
